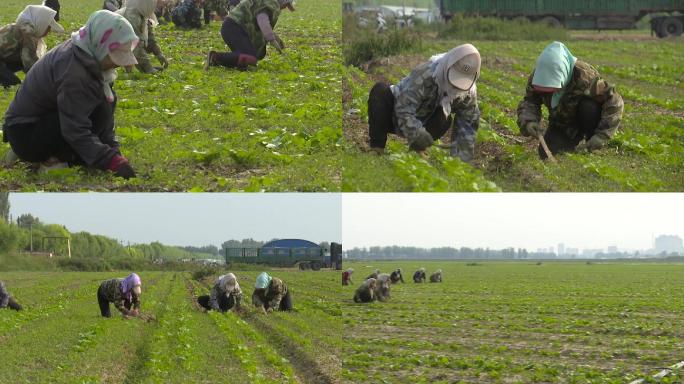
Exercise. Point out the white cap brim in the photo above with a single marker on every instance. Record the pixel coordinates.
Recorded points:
(460, 80)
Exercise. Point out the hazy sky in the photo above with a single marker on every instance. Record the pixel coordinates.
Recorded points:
(188, 219)
(530, 221)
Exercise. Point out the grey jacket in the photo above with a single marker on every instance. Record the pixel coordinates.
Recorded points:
(4, 295)
(68, 81)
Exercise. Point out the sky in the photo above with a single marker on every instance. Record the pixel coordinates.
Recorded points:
(529, 220)
(188, 218)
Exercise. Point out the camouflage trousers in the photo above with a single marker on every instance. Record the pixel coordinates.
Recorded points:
(586, 120)
(381, 123)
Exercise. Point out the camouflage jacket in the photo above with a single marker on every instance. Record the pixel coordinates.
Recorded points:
(4, 295)
(221, 7)
(148, 44)
(586, 82)
(111, 291)
(245, 14)
(112, 5)
(187, 14)
(18, 44)
(416, 97)
(272, 296)
(217, 292)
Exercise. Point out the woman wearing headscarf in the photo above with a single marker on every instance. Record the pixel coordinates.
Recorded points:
(419, 276)
(582, 106)
(270, 294)
(112, 5)
(373, 275)
(346, 276)
(123, 293)
(225, 294)
(6, 300)
(247, 30)
(396, 276)
(382, 287)
(420, 106)
(22, 44)
(64, 111)
(140, 13)
(436, 277)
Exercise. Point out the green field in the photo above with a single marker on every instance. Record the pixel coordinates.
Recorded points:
(646, 155)
(274, 128)
(517, 322)
(61, 338)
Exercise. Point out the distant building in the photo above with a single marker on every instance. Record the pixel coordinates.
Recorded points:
(561, 249)
(572, 252)
(613, 249)
(668, 244)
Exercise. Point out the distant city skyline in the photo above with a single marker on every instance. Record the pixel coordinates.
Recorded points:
(498, 221)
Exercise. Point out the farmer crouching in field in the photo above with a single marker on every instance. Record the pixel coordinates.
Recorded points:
(420, 106)
(247, 30)
(187, 14)
(366, 292)
(140, 13)
(373, 275)
(382, 287)
(225, 294)
(123, 293)
(346, 276)
(581, 105)
(112, 5)
(436, 277)
(63, 114)
(6, 300)
(419, 276)
(270, 294)
(396, 276)
(218, 7)
(22, 44)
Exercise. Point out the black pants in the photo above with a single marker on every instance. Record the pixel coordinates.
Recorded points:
(586, 120)
(225, 303)
(104, 304)
(7, 74)
(285, 303)
(12, 304)
(238, 41)
(381, 117)
(39, 141)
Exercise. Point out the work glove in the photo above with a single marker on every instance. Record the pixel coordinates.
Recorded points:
(119, 165)
(533, 128)
(592, 144)
(422, 141)
(163, 61)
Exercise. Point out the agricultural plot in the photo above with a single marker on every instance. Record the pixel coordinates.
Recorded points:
(517, 322)
(277, 127)
(61, 338)
(646, 155)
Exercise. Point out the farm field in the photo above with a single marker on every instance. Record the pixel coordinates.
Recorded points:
(646, 155)
(517, 322)
(61, 338)
(275, 128)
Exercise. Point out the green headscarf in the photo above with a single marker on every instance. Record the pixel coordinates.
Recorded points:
(554, 69)
(263, 280)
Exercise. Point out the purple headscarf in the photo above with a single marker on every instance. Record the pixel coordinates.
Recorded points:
(128, 283)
